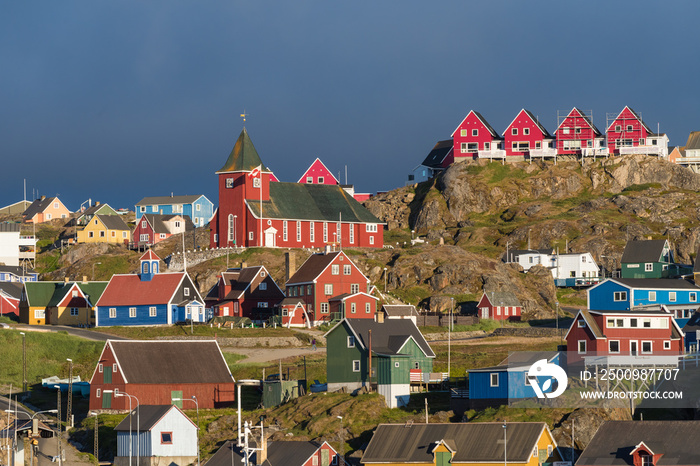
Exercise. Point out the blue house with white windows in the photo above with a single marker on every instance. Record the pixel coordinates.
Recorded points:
(150, 297)
(494, 386)
(9, 273)
(197, 207)
(679, 297)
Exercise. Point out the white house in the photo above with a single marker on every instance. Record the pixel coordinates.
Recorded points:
(14, 246)
(574, 269)
(165, 436)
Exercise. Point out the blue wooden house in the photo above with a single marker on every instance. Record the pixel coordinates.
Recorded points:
(493, 386)
(10, 273)
(691, 329)
(197, 207)
(149, 297)
(679, 297)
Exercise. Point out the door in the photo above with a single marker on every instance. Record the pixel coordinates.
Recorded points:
(107, 375)
(106, 400)
(270, 234)
(633, 348)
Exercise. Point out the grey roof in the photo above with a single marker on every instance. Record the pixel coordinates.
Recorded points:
(113, 222)
(279, 453)
(312, 268)
(438, 153)
(11, 227)
(17, 270)
(389, 336)
(157, 221)
(149, 415)
(169, 200)
(38, 206)
(166, 362)
(493, 132)
(643, 251)
(502, 298)
(400, 310)
(13, 289)
(545, 133)
(693, 140)
(656, 283)
(615, 440)
(517, 252)
(473, 442)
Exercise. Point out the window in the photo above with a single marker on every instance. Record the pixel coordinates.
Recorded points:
(251, 235)
(256, 182)
(354, 288)
(396, 364)
(335, 269)
(328, 289)
(368, 308)
(351, 229)
(100, 368)
(494, 379)
(263, 286)
(475, 132)
(347, 269)
(114, 369)
(538, 144)
(231, 221)
(39, 313)
(642, 141)
(320, 180)
(581, 346)
(356, 365)
(526, 131)
(91, 234)
(550, 449)
(646, 323)
(298, 231)
(325, 232)
(102, 234)
(487, 146)
(152, 312)
(534, 451)
(142, 208)
(309, 290)
(647, 460)
(652, 296)
(324, 308)
(229, 182)
(353, 308)
(162, 236)
(114, 234)
(463, 132)
(620, 296)
(618, 128)
(186, 291)
(98, 392)
(112, 312)
(48, 216)
(351, 341)
(472, 147)
(633, 323)
(371, 240)
(166, 438)
(74, 311)
(314, 461)
(284, 231)
(262, 304)
(143, 224)
(198, 207)
(309, 179)
(672, 296)
(132, 312)
(514, 131)
(578, 130)
(311, 232)
(667, 345)
(630, 128)
(614, 346)
(693, 297)
(646, 347)
(463, 148)
(648, 267)
(581, 323)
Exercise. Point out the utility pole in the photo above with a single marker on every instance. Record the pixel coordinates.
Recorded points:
(69, 408)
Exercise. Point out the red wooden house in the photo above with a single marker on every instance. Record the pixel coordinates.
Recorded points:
(10, 293)
(328, 285)
(278, 453)
(156, 371)
(244, 292)
(499, 305)
(623, 333)
(318, 173)
(476, 138)
(255, 212)
(628, 134)
(577, 135)
(154, 228)
(525, 136)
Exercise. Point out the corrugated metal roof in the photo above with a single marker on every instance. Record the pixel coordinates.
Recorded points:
(400, 310)
(473, 442)
(390, 334)
(693, 140)
(643, 251)
(615, 440)
(656, 283)
(168, 362)
(169, 200)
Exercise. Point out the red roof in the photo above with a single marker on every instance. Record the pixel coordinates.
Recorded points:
(149, 256)
(129, 290)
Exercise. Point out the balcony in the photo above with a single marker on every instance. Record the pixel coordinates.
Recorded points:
(492, 154)
(541, 153)
(595, 151)
(688, 160)
(645, 150)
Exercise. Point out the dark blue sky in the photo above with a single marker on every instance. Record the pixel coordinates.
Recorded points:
(118, 100)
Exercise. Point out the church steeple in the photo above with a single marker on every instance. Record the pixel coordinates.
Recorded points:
(243, 157)
(150, 263)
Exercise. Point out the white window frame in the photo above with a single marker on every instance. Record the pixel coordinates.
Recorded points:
(651, 347)
(312, 237)
(494, 379)
(328, 289)
(351, 229)
(370, 227)
(475, 132)
(356, 365)
(648, 267)
(693, 296)
(152, 311)
(298, 231)
(112, 312)
(347, 269)
(324, 308)
(672, 296)
(667, 344)
(132, 312)
(335, 269)
(610, 349)
(514, 131)
(353, 308)
(652, 296)
(284, 230)
(582, 346)
(619, 296)
(368, 308)
(325, 232)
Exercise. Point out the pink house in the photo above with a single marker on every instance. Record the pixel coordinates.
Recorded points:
(476, 138)
(577, 135)
(318, 173)
(526, 137)
(628, 134)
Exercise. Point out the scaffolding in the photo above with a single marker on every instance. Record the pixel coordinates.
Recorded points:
(584, 139)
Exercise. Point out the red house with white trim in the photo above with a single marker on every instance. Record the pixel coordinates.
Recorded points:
(628, 134)
(623, 333)
(577, 135)
(525, 136)
(476, 138)
(244, 292)
(499, 305)
(318, 173)
(154, 228)
(255, 212)
(328, 285)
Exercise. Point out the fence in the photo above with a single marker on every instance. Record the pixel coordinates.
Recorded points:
(443, 320)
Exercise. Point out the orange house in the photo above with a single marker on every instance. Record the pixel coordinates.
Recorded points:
(45, 209)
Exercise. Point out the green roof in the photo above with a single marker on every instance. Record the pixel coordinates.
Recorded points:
(48, 294)
(301, 201)
(243, 157)
(40, 293)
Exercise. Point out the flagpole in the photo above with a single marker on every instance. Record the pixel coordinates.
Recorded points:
(261, 212)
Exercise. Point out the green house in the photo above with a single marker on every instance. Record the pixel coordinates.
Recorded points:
(650, 259)
(396, 347)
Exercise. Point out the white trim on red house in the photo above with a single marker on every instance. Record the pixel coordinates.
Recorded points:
(303, 176)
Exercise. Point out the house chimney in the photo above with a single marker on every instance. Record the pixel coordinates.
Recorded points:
(43, 197)
(244, 265)
(380, 316)
(66, 279)
(290, 265)
(84, 278)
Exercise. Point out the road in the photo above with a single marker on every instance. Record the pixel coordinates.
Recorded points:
(74, 331)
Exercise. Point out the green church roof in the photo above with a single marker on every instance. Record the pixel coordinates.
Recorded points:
(301, 201)
(243, 157)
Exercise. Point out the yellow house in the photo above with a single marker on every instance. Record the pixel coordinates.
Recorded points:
(60, 303)
(468, 444)
(105, 229)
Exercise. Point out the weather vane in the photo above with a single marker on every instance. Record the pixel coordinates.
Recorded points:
(244, 115)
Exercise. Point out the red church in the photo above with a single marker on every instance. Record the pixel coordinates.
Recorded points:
(256, 212)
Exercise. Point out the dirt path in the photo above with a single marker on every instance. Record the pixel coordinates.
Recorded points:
(496, 341)
(271, 354)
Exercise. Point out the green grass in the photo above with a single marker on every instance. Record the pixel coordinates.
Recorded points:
(412, 295)
(501, 172)
(149, 333)
(48, 261)
(46, 356)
